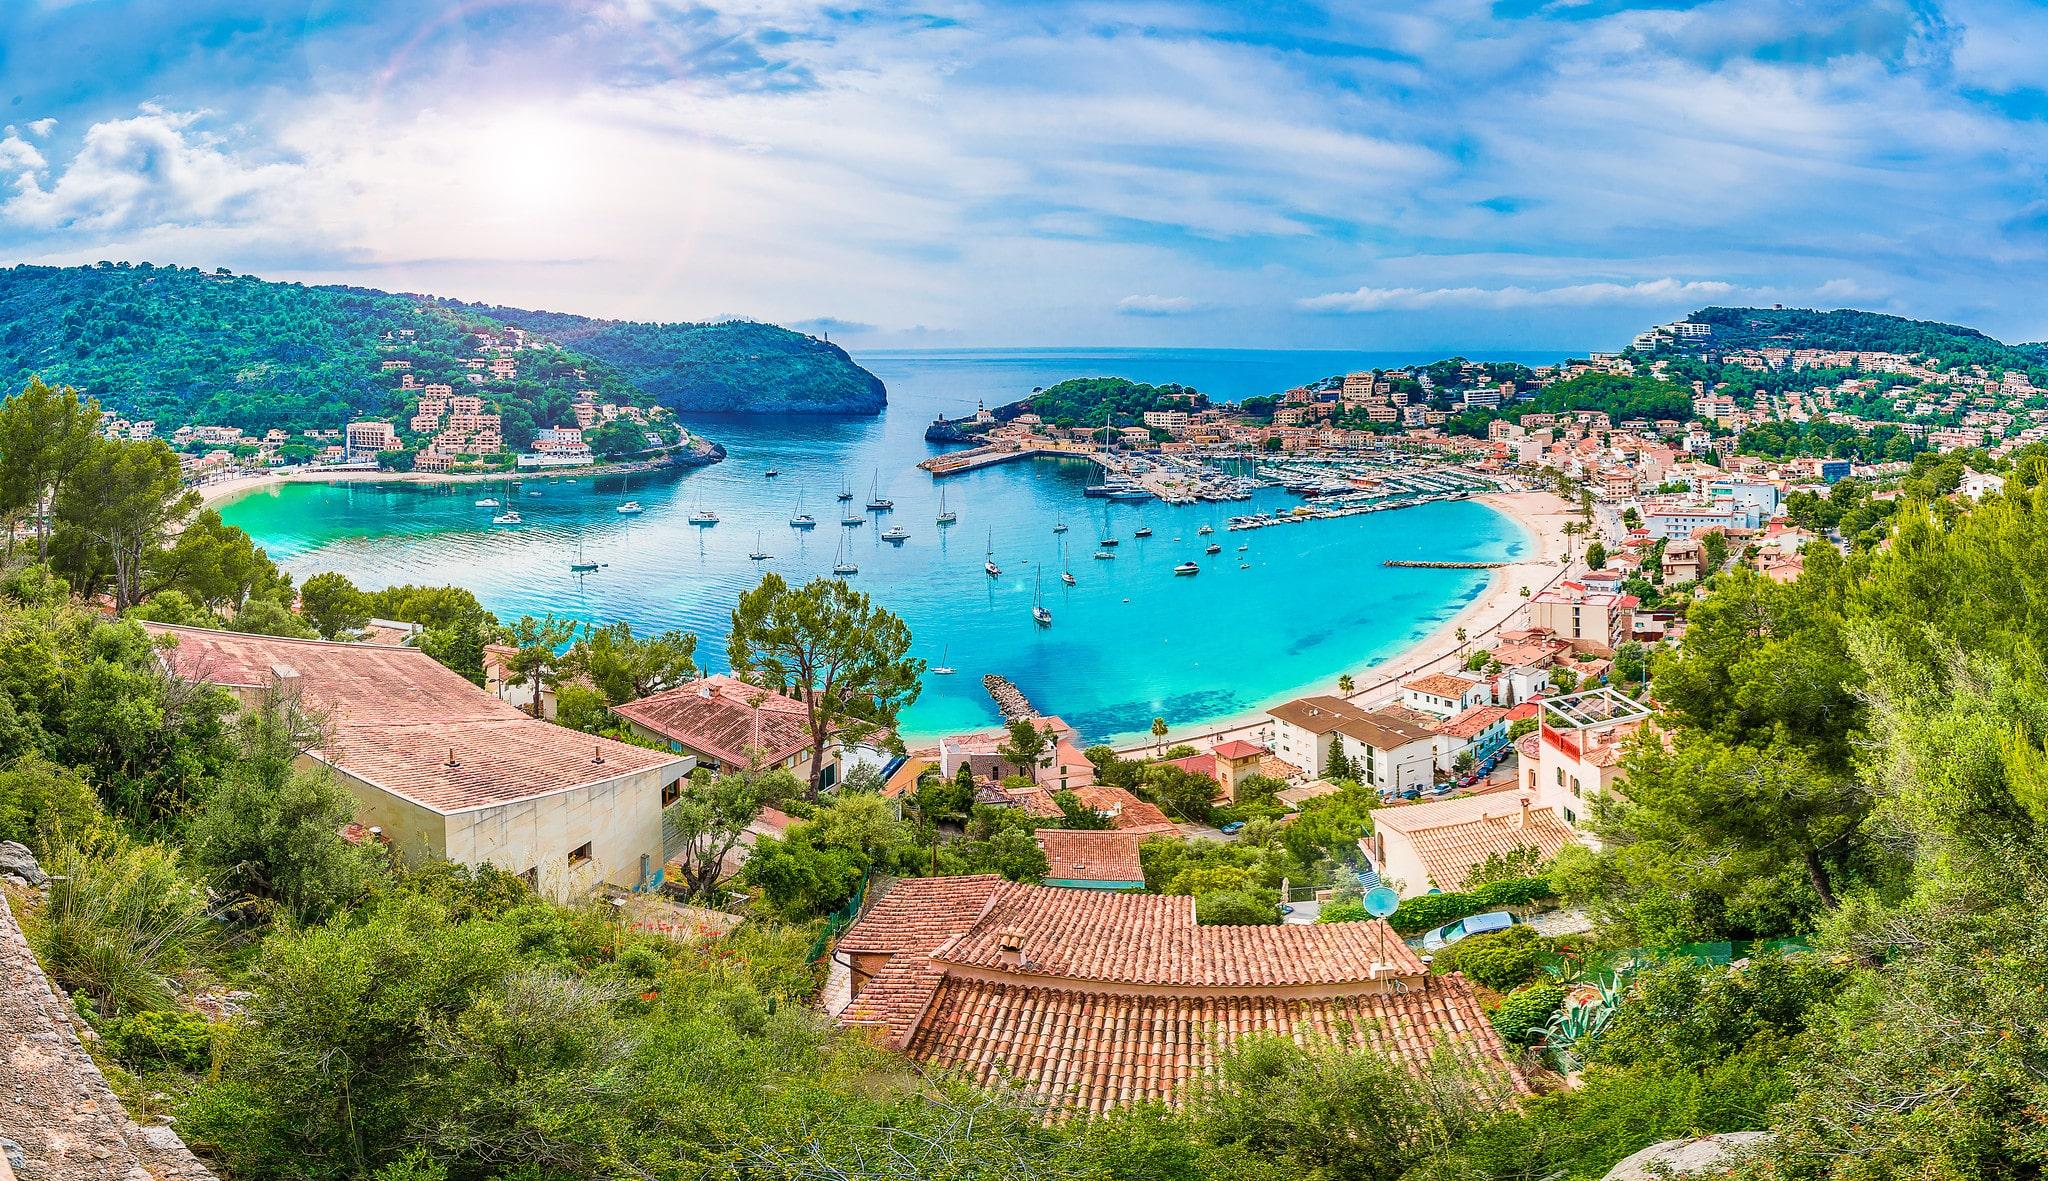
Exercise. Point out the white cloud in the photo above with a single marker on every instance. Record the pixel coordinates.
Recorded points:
(42, 127)
(1379, 299)
(1159, 305)
(17, 154)
(157, 168)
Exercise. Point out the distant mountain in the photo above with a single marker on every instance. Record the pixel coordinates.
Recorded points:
(181, 345)
(1850, 329)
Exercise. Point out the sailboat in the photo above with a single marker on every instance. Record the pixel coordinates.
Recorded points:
(877, 503)
(1213, 549)
(1039, 612)
(801, 519)
(946, 516)
(582, 565)
(989, 563)
(759, 554)
(1066, 573)
(703, 516)
(944, 669)
(841, 564)
(1059, 526)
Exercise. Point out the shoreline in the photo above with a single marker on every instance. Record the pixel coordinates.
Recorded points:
(1539, 515)
(218, 493)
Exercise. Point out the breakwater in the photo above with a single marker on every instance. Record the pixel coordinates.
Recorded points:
(1444, 565)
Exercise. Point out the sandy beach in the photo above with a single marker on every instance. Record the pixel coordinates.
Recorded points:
(1541, 514)
(215, 493)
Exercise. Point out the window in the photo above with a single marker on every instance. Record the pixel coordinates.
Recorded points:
(671, 792)
(580, 855)
(1560, 776)
(1570, 817)
(1575, 785)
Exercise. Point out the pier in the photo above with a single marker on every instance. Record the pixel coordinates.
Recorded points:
(1444, 565)
(1009, 698)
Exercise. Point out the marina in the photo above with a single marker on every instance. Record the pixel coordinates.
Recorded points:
(1129, 639)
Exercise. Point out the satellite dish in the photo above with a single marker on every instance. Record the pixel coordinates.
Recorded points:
(1381, 902)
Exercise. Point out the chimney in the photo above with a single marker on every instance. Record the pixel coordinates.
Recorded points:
(285, 679)
(452, 761)
(597, 757)
(1524, 796)
(704, 689)
(1010, 941)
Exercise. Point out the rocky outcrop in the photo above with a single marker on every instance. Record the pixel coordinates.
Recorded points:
(55, 1104)
(18, 863)
(1686, 1158)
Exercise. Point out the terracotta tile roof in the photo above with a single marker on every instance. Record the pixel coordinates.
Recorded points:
(1472, 722)
(1453, 837)
(1074, 1050)
(918, 914)
(398, 719)
(1321, 715)
(1441, 685)
(1295, 797)
(726, 718)
(1152, 939)
(1091, 856)
(1238, 748)
(1126, 811)
(1203, 765)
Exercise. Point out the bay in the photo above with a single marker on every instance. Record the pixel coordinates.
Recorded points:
(1129, 642)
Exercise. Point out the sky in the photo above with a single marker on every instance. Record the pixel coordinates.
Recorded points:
(1423, 174)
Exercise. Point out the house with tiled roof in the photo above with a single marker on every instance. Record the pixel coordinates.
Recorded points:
(725, 722)
(1063, 766)
(1580, 741)
(1444, 694)
(1088, 1000)
(441, 769)
(1124, 811)
(1092, 860)
(1436, 845)
(1228, 763)
(1390, 752)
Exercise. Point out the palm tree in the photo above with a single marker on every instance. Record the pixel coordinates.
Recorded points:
(1344, 683)
(1159, 733)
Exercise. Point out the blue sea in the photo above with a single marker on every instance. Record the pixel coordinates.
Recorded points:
(1129, 642)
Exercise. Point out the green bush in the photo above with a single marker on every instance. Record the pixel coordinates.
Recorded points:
(1429, 911)
(1499, 959)
(1524, 1012)
(160, 1038)
(1351, 910)
(122, 919)
(1234, 908)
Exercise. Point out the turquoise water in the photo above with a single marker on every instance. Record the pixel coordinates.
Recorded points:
(1130, 642)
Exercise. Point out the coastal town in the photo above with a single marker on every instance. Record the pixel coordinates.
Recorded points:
(994, 904)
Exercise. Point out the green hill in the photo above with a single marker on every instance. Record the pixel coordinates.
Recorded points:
(182, 345)
(1850, 329)
(727, 367)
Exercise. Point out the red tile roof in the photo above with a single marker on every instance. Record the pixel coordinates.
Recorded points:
(1089, 999)
(399, 720)
(1074, 1050)
(1204, 765)
(1472, 722)
(1125, 811)
(1454, 837)
(1441, 685)
(726, 718)
(1075, 855)
(1238, 748)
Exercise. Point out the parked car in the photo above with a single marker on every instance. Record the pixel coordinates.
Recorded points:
(1478, 924)
(1232, 828)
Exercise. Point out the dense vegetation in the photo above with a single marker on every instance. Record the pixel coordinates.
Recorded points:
(1852, 330)
(1086, 401)
(179, 345)
(737, 366)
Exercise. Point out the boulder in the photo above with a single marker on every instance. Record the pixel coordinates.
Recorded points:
(17, 862)
(1684, 1158)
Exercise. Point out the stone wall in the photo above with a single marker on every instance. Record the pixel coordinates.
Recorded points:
(54, 1103)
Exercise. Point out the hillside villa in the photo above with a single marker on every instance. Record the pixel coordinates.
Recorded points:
(723, 722)
(441, 769)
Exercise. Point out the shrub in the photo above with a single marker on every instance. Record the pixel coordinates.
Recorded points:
(1499, 959)
(42, 804)
(1434, 910)
(1524, 1012)
(160, 1038)
(1351, 910)
(121, 920)
(1234, 908)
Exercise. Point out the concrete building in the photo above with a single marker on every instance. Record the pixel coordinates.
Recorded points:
(1580, 742)
(1389, 754)
(368, 438)
(440, 769)
(1593, 620)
